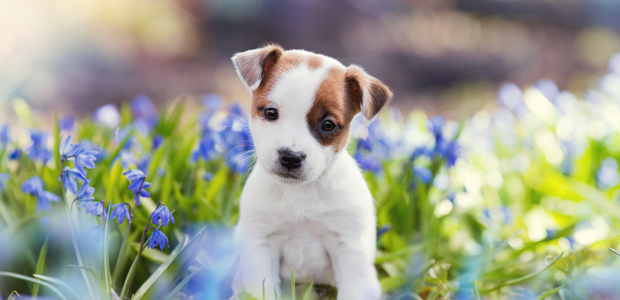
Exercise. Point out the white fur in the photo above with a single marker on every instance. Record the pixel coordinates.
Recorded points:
(322, 225)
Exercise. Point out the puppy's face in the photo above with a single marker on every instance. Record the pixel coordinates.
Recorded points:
(302, 106)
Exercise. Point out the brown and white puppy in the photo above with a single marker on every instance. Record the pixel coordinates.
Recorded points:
(305, 205)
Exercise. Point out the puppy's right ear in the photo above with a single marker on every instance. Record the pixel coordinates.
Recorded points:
(253, 65)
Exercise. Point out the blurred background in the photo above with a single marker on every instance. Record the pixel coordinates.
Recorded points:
(445, 56)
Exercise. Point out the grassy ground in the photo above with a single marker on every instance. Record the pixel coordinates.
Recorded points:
(518, 202)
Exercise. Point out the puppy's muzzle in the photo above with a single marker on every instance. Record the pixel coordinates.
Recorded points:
(291, 160)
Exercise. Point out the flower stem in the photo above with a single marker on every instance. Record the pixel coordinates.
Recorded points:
(132, 272)
(73, 237)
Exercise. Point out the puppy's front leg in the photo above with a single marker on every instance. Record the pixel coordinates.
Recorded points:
(356, 276)
(258, 262)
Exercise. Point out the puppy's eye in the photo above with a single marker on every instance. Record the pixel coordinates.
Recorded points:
(271, 113)
(328, 125)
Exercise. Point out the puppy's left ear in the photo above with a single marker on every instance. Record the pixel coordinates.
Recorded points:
(366, 91)
(253, 65)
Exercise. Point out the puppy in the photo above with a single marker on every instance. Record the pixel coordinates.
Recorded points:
(305, 206)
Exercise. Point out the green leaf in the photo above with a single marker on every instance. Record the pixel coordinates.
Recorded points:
(23, 112)
(523, 278)
(106, 263)
(246, 296)
(17, 226)
(40, 266)
(121, 256)
(183, 283)
(308, 291)
(390, 283)
(293, 284)
(13, 293)
(163, 281)
(57, 282)
(33, 280)
(94, 273)
(550, 292)
(153, 255)
(391, 256)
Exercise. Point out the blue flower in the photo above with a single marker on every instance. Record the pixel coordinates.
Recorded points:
(144, 113)
(213, 102)
(16, 154)
(3, 178)
(121, 212)
(44, 199)
(383, 229)
(5, 138)
(206, 148)
(138, 184)
(158, 238)
(33, 186)
(450, 151)
(94, 208)
(157, 141)
(68, 178)
(143, 108)
(144, 162)
(38, 151)
(548, 88)
(422, 173)
(368, 162)
(107, 115)
(94, 234)
(421, 151)
(85, 159)
(607, 175)
(90, 146)
(86, 193)
(67, 150)
(208, 176)
(435, 125)
(66, 123)
(162, 215)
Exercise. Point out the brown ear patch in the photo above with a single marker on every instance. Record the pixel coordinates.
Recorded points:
(332, 102)
(252, 65)
(380, 95)
(368, 92)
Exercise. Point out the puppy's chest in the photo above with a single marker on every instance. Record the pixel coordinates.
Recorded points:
(303, 246)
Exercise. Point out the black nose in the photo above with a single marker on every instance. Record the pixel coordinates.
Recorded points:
(291, 160)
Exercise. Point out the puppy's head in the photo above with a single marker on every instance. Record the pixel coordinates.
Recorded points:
(302, 106)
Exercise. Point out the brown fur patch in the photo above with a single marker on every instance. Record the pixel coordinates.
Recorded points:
(369, 93)
(314, 62)
(332, 102)
(286, 61)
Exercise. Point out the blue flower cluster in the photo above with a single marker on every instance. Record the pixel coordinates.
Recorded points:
(38, 150)
(230, 138)
(446, 149)
(34, 186)
(372, 148)
(138, 184)
(160, 216)
(82, 159)
(5, 140)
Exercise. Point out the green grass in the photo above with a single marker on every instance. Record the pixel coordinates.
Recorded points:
(519, 215)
